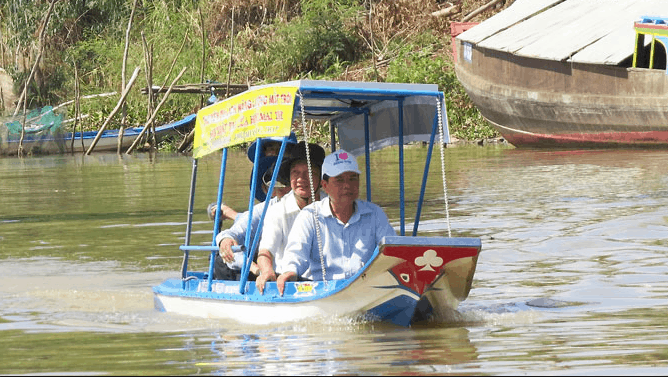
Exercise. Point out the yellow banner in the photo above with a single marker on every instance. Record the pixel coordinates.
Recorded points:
(261, 112)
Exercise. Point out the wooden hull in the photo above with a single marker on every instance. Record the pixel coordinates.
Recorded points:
(61, 143)
(543, 103)
(435, 272)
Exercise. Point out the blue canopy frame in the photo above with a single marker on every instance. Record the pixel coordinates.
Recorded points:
(367, 117)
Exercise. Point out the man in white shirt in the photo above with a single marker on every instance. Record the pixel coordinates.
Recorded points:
(350, 228)
(228, 264)
(281, 216)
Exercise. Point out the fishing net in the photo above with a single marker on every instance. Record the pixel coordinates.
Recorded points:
(44, 132)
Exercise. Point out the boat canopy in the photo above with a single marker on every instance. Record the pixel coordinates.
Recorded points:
(364, 115)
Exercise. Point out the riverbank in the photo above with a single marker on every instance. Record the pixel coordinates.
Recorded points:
(384, 41)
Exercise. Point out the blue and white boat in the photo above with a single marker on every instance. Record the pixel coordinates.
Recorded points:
(45, 134)
(410, 278)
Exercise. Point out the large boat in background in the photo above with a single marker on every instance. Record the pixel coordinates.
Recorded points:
(571, 73)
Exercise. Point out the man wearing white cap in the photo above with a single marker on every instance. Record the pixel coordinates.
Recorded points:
(350, 228)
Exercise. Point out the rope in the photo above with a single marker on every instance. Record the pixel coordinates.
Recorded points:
(310, 179)
(445, 186)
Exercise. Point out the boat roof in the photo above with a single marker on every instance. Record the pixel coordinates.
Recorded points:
(350, 105)
(592, 31)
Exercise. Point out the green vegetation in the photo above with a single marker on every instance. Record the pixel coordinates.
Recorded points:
(267, 40)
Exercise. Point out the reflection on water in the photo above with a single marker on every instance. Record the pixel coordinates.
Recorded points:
(572, 278)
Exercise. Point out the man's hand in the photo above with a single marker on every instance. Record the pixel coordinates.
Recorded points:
(226, 212)
(225, 249)
(286, 276)
(265, 276)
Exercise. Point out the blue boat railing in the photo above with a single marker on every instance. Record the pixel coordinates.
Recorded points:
(213, 250)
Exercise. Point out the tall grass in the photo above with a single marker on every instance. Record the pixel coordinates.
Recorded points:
(274, 40)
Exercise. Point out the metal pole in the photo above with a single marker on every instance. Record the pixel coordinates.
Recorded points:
(184, 265)
(402, 210)
(216, 220)
(426, 172)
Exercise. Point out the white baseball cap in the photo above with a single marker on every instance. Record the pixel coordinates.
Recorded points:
(339, 162)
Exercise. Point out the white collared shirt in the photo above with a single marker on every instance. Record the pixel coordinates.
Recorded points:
(239, 228)
(346, 247)
(277, 225)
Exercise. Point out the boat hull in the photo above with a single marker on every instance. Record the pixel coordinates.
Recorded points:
(62, 142)
(542, 103)
(437, 273)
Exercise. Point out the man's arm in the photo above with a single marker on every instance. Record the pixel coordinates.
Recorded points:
(296, 256)
(265, 269)
(383, 226)
(270, 240)
(237, 231)
(236, 235)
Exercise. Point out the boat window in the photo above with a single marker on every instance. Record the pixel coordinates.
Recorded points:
(659, 57)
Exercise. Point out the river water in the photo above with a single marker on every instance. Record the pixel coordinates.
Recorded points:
(572, 278)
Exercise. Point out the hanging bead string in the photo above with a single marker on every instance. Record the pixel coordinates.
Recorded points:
(310, 178)
(445, 186)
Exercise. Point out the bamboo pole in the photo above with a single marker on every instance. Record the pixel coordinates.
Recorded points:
(164, 98)
(373, 44)
(479, 10)
(115, 110)
(199, 88)
(77, 94)
(24, 94)
(124, 117)
(148, 59)
(150, 75)
(229, 66)
(147, 67)
(23, 123)
(171, 68)
(150, 85)
(452, 9)
(188, 139)
(78, 117)
(66, 103)
(201, 79)
(2, 51)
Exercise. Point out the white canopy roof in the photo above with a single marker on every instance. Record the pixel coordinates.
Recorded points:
(581, 31)
(344, 103)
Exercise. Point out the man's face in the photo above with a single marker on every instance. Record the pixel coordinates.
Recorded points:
(299, 181)
(271, 148)
(343, 189)
(281, 191)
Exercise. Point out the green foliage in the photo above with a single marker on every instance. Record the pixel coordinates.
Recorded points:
(273, 41)
(20, 21)
(316, 40)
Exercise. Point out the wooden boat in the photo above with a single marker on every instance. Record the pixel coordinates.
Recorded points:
(409, 278)
(564, 73)
(44, 135)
